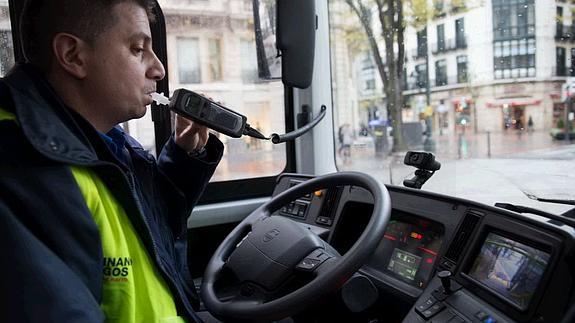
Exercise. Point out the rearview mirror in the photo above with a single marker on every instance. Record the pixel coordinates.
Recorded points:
(285, 40)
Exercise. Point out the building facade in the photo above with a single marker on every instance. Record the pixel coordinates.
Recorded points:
(491, 65)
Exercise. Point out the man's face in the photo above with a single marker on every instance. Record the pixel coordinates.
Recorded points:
(122, 67)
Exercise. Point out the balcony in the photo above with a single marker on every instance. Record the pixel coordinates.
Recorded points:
(449, 45)
(512, 33)
(565, 33)
(450, 80)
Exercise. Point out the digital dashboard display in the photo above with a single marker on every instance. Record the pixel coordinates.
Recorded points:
(404, 264)
(409, 248)
(510, 268)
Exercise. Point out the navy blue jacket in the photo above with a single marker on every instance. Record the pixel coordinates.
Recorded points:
(51, 269)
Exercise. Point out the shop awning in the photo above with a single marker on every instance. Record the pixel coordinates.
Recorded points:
(517, 102)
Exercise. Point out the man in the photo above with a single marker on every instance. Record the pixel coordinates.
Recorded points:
(91, 227)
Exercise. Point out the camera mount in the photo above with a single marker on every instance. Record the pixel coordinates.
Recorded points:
(426, 166)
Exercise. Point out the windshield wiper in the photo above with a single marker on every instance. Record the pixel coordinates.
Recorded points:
(526, 209)
(556, 201)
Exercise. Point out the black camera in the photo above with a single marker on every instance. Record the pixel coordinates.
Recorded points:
(426, 165)
(421, 160)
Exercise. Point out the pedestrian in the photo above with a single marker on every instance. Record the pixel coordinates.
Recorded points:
(345, 135)
(340, 139)
(92, 227)
(530, 124)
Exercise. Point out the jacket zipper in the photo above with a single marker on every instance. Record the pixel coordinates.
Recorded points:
(168, 278)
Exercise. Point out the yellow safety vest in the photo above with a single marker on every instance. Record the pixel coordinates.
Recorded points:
(133, 289)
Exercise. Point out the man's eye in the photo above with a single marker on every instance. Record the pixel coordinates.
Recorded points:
(138, 50)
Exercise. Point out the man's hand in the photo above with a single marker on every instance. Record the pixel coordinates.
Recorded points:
(190, 135)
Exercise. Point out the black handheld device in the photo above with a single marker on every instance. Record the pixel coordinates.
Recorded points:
(208, 113)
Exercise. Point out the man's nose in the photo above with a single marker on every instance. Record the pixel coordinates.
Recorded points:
(156, 70)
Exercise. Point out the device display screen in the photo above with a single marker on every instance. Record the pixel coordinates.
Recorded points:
(193, 101)
(510, 268)
(404, 264)
(409, 248)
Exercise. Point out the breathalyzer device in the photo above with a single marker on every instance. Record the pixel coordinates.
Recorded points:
(208, 113)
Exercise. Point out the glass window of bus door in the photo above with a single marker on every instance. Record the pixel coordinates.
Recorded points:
(211, 49)
(6, 44)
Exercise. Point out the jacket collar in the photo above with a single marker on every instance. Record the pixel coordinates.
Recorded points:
(53, 129)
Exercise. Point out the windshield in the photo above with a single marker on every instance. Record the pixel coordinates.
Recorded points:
(483, 85)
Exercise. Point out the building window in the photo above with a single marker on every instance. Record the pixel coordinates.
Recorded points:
(422, 43)
(369, 84)
(440, 38)
(189, 61)
(421, 78)
(462, 69)
(457, 6)
(404, 84)
(514, 58)
(249, 61)
(460, 41)
(440, 73)
(572, 68)
(560, 61)
(559, 23)
(513, 19)
(215, 51)
(367, 63)
(438, 8)
(6, 51)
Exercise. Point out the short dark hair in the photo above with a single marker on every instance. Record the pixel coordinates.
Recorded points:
(41, 20)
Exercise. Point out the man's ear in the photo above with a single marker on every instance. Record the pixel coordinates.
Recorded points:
(70, 53)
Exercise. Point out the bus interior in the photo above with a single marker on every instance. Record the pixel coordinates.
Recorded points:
(337, 222)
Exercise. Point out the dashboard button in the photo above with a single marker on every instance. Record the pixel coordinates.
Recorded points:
(323, 220)
(308, 264)
(425, 305)
(434, 309)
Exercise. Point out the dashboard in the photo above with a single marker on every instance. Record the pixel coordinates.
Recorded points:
(496, 265)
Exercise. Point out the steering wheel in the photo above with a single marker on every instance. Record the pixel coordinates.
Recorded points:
(265, 252)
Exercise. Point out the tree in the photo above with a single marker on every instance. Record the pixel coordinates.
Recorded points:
(390, 14)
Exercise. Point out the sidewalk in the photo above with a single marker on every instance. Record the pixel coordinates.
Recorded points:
(481, 145)
(501, 144)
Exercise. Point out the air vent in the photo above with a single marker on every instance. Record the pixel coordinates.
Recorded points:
(463, 235)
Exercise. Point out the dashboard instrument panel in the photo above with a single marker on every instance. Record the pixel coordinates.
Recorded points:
(409, 248)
